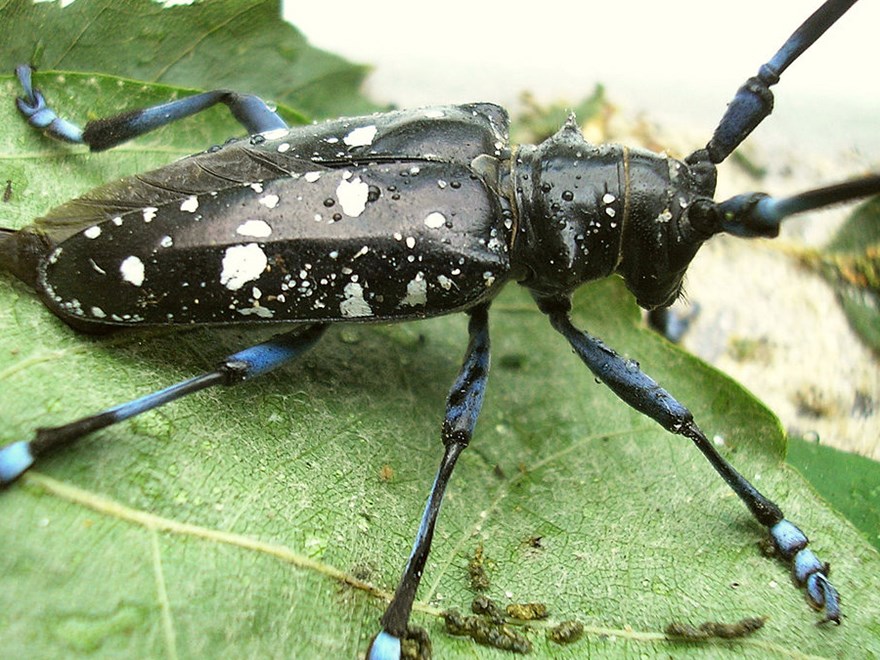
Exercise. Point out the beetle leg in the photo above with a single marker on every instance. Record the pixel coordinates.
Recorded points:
(631, 384)
(99, 134)
(672, 323)
(462, 409)
(17, 457)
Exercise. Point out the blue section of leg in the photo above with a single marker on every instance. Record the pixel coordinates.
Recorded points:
(627, 380)
(384, 647)
(32, 106)
(462, 409)
(14, 460)
(251, 111)
(466, 395)
(255, 361)
(624, 377)
(155, 399)
(807, 570)
(259, 359)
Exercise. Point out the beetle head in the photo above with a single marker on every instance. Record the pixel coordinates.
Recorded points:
(670, 215)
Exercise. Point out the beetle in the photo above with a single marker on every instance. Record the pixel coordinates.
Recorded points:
(300, 224)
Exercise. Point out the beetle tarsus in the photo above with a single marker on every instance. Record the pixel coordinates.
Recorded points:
(15, 459)
(807, 570)
(632, 385)
(38, 114)
(384, 646)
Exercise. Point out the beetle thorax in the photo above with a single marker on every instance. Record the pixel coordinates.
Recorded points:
(587, 211)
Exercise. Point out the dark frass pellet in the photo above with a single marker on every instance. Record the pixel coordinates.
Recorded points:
(486, 632)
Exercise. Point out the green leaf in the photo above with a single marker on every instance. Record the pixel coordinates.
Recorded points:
(850, 483)
(861, 229)
(851, 263)
(234, 44)
(538, 122)
(249, 522)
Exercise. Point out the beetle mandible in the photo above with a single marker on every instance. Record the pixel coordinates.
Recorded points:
(316, 225)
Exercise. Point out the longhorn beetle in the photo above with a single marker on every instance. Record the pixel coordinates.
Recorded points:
(391, 217)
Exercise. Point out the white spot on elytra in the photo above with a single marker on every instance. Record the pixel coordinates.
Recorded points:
(117, 221)
(352, 196)
(150, 213)
(416, 291)
(98, 313)
(269, 201)
(92, 232)
(435, 220)
(166, 242)
(361, 136)
(190, 204)
(262, 312)
(434, 114)
(410, 242)
(255, 228)
(257, 187)
(132, 270)
(274, 134)
(311, 177)
(444, 281)
(354, 304)
(283, 147)
(608, 198)
(242, 264)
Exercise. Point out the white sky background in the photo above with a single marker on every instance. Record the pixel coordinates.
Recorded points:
(660, 56)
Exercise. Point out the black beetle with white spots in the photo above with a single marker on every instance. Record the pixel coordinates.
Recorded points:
(397, 216)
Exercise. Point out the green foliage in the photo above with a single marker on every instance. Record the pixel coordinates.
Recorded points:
(851, 263)
(850, 483)
(233, 44)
